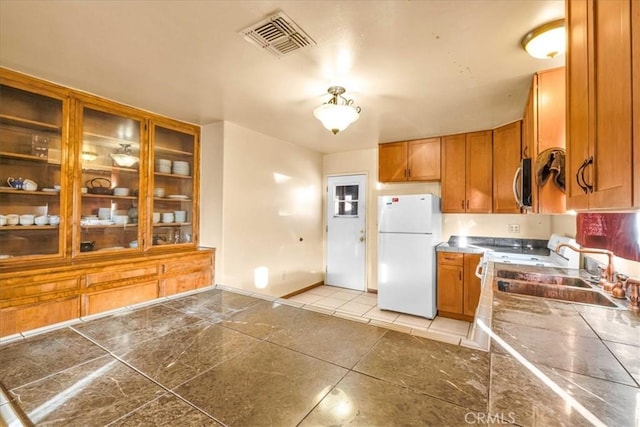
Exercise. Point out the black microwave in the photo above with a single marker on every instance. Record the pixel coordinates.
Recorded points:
(522, 182)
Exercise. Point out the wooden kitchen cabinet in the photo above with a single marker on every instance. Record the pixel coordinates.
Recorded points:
(458, 287)
(102, 247)
(603, 106)
(467, 173)
(417, 160)
(543, 127)
(506, 160)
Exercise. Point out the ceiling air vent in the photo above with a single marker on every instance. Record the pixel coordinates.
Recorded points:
(278, 34)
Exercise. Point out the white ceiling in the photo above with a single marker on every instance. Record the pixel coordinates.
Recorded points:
(416, 68)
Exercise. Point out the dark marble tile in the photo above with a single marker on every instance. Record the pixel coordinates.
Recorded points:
(31, 359)
(456, 374)
(184, 353)
(214, 305)
(93, 394)
(125, 329)
(333, 339)
(359, 400)
(268, 385)
(541, 313)
(267, 318)
(587, 356)
(628, 356)
(621, 326)
(165, 411)
(517, 393)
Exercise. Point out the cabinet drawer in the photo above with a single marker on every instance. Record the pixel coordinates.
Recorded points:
(186, 282)
(450, 258)
(24, 318)
(188, 263)
(119, 297)
(33, 289)
(110, 274)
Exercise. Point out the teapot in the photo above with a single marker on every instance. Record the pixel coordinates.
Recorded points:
(15, 182)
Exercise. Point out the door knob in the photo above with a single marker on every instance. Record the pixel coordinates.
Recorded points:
(362, 238)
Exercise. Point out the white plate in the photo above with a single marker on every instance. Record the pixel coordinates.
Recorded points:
(177, 196)
(50, 190)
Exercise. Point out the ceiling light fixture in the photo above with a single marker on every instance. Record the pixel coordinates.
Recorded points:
(546, 41)
(124, 156)
(337, 113)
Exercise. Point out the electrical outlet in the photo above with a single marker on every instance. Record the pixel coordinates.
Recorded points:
(514, 228)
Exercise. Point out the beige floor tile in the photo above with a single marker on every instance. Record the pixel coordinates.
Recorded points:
(346, 294)
(328, 302)
(352, 307)
(382, 315)
(392, 326)
(369, 299)
(323, 290)
(306, 298)
(413, 321)
(451, 326)
(437, 336)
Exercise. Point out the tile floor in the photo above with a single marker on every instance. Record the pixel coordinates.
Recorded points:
(223, 358)
(362, 307)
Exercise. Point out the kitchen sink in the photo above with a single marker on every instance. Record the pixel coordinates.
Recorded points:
(543, 278)
(553, 291)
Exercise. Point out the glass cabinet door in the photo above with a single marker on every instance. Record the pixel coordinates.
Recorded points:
(110, 185)
(173, 213)
(32, 175)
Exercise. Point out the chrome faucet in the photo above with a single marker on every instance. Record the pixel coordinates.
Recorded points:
(610, 270)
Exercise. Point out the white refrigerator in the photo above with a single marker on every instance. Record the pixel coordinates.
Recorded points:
(409, 228)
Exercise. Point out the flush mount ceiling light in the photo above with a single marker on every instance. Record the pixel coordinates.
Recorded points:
(546, 41)
(124, 156)
(337, 113)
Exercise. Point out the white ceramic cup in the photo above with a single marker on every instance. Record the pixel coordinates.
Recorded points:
(41, 220)
(167, 217)
(3, 220)
(27, 219)
(13, 219)
(133, 244)
(54, 219)
(158, 192)
(156, 217)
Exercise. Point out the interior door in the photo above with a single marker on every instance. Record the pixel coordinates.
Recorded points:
(346, 232)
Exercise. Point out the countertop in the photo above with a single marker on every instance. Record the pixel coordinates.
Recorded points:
(476, 245)
(558, 363)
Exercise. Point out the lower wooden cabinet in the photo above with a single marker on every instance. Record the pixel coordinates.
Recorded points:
(39, 297)
(458, 287)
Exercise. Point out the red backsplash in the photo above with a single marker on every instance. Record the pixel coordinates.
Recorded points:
(617, 232)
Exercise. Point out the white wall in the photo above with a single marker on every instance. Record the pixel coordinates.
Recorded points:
(272, 198)
(211, 174)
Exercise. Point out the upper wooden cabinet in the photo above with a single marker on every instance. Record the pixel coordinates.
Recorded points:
(603, 104)
(90, 202)
(506, 160)
(34, 129)
(467, 167)
(543, 127)
(417, 160)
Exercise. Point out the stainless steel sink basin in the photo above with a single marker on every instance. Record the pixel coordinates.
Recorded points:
(543, 278)
(553, 291)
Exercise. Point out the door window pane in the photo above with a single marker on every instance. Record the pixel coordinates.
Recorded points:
(346, 200)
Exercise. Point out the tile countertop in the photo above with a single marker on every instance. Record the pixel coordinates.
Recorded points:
(481, 244)
(558, 363)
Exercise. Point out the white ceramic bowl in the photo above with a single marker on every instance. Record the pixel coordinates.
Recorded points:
(3, 220)
(104, 213)
(156, 217)
(13, 219)
(54, 219)
(158, 192)
(41, 220)
(133, 244)
(167, 217)
(27, 219)
(121, 191)
(120, 219)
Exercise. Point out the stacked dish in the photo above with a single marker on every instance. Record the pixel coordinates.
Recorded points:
(163, 166)
(180, 216)
(167, 217)
(120, 191)
(181, 168)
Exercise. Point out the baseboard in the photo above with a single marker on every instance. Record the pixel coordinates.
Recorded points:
(303, 290)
